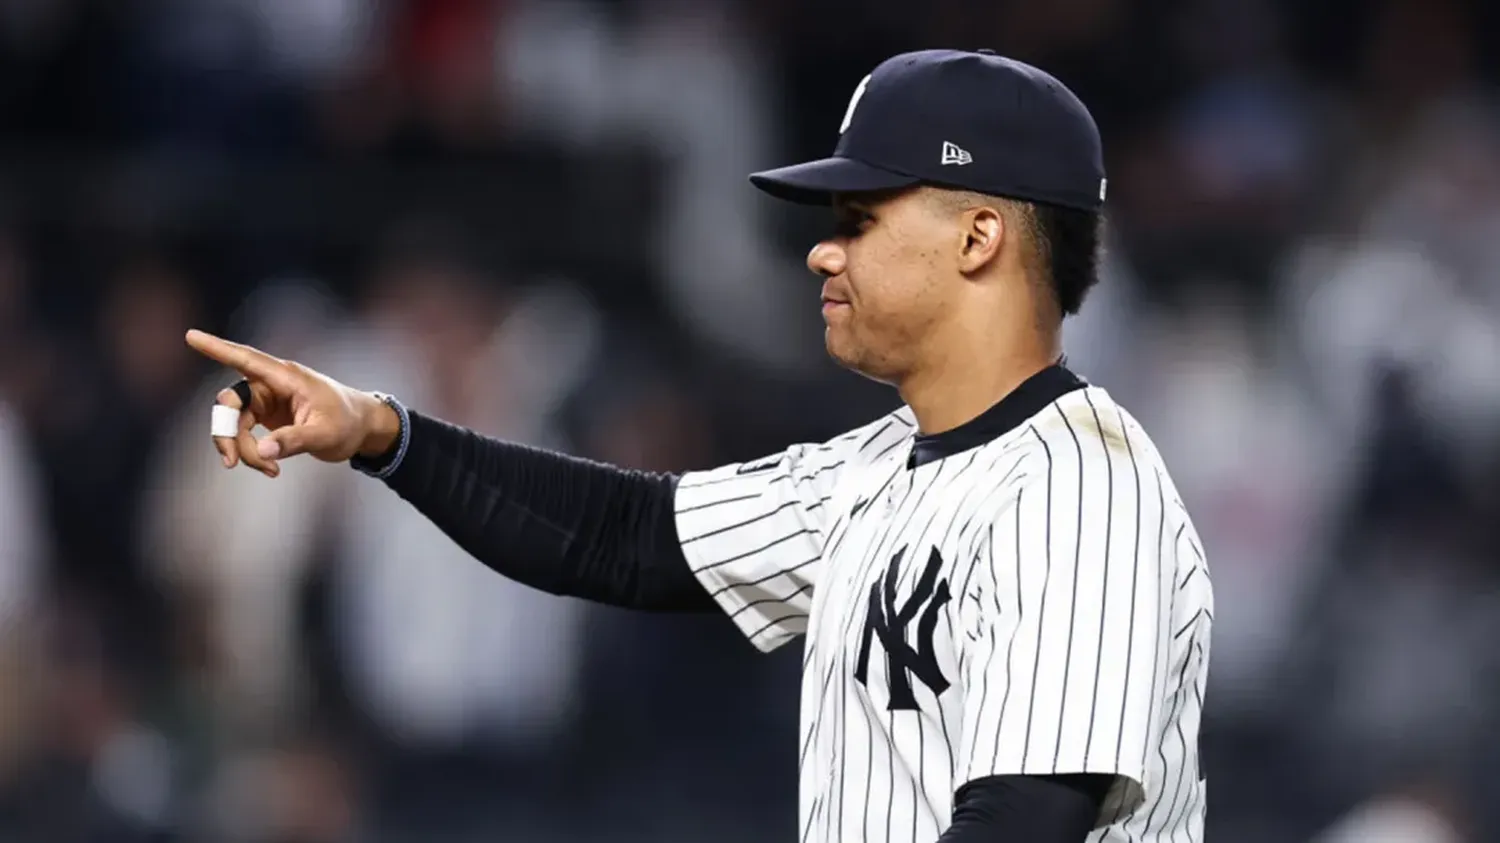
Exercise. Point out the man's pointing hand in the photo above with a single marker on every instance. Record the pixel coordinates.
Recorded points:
(305, 411)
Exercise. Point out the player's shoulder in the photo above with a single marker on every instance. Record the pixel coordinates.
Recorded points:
(1090, 423)
(1083, 433)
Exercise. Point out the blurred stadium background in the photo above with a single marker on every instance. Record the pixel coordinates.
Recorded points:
(530, 217)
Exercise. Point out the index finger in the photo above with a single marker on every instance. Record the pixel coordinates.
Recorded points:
(248, 361)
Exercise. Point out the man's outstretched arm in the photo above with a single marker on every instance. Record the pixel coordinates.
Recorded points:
(746, 538)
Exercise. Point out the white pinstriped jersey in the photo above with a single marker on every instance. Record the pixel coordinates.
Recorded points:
(1035, 603)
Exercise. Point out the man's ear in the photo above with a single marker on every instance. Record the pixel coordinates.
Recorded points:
(984, 232)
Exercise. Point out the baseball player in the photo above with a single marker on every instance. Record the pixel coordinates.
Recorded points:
(1005, 606)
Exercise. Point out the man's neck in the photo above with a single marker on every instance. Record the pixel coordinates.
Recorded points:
(956, 390)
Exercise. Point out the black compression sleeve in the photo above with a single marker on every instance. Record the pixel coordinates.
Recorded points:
(1027, 809)
(560, 524)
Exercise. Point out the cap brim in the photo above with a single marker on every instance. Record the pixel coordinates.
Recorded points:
(815, 182)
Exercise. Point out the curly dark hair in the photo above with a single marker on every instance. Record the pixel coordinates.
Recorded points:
(1068, 246)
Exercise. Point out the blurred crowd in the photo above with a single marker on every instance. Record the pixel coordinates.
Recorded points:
(530, 217)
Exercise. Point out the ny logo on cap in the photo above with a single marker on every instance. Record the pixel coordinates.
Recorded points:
(859, 91)
(955, 154)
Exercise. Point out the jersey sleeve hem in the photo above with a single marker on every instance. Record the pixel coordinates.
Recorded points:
(764, 613)
(766, 633)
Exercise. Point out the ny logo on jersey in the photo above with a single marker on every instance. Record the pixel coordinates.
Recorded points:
(886, 621)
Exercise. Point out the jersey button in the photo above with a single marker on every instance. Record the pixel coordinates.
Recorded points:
(898, 490)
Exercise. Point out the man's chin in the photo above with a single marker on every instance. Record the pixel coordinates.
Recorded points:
(849, 359)
(838, 349)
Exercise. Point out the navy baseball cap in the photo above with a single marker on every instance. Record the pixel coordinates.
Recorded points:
(966, 120)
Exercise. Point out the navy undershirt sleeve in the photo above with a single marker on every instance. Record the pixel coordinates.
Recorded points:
(561, 524)
(1027, 809)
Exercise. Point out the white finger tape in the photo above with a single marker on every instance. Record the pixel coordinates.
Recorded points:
(225, 422)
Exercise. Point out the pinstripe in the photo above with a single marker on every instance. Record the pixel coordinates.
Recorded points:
(1073, 600)
(1161, 746)
(1109, 523)
(757, 551)
(750, 496)
(1135, 571)
(739, 525)
(1010, 646)
(1037, 664)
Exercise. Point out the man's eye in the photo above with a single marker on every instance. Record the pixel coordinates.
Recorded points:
(852, 225)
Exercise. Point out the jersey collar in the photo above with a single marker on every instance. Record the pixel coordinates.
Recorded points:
(1023, 402)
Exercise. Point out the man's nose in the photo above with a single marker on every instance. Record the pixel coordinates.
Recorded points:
(827, 259)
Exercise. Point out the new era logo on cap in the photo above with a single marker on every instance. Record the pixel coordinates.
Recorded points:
(955, 154)
(1025, 135)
